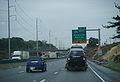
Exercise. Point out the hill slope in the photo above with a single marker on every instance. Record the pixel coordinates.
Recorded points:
(112, 57)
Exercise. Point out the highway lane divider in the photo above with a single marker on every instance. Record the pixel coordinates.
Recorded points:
(6, 61)
(11, 61)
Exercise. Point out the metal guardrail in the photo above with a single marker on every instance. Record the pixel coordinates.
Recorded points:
(7, 61)
(11, 61)
(97, 62)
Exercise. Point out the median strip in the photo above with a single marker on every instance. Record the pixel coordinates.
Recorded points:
(96, 74)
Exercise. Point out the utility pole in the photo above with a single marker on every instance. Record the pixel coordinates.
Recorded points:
(49, 39)
(59, 45)
(99, 37)
(9, 30)
(37, 35)
(56, 42)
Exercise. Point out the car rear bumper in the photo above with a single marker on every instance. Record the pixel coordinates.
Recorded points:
(35, 67)
(77, 65)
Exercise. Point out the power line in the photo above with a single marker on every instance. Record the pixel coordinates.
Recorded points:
(24, 11)
(24, 27)
(24, 20)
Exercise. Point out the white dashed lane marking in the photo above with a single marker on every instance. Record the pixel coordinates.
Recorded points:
(21, 71)
(55, 72)
(43, 80)
(19, 67)
(34, 81)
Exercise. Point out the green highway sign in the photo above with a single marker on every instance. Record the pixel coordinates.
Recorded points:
(79, 36)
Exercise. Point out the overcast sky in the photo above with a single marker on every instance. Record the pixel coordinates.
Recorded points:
(57, 18)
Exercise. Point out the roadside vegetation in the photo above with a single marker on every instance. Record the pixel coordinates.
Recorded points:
(19, 44)
(112, 57)
(113, 65)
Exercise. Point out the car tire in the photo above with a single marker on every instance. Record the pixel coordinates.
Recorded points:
(66, 66)
(27, 70)
(68, 69)
(45, 68)
(85, 69)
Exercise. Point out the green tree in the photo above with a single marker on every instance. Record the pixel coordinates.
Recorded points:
(115, 24)
(18, 43)
(93, 42)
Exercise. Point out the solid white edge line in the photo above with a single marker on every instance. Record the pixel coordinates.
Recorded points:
(34, 80)
(43, 80)
(97, 74)
(21, 71)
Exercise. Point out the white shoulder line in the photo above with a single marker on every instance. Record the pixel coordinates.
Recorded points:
(96, 74)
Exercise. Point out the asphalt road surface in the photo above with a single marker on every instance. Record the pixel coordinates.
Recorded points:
(56, 72)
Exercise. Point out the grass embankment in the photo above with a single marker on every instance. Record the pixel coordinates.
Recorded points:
(113, 65)
(113, 58)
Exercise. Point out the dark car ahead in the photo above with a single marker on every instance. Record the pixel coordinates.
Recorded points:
(36, 63)
(76, 60)
(76, 46)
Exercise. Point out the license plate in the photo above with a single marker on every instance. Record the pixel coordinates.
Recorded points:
(32, 68)
(76, 66)
(34, 61)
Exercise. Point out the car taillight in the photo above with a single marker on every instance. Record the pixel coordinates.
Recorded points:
(68, 58)
(84, 58)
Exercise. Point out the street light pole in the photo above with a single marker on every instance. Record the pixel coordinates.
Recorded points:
(8, 30)
(99, 37)
(37, 35)
(49, 40)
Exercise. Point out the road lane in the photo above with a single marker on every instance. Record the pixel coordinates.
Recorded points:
(56, 72)
(17, 74)
(75, 76)
(107, 74)
(96, 74)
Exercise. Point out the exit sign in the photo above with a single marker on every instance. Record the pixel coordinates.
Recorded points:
(79, 35)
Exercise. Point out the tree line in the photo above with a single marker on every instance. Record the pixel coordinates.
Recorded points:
(18, 43)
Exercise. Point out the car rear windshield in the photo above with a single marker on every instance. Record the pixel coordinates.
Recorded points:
(16, 56)
(77, 47)
(77, 53)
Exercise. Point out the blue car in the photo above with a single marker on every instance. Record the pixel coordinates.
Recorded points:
(36, 63)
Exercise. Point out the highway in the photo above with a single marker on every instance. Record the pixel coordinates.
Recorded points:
(56, 72)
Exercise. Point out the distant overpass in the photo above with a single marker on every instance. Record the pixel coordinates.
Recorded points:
(61, 51)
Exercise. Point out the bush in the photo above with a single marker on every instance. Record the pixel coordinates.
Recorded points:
(117, 58)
